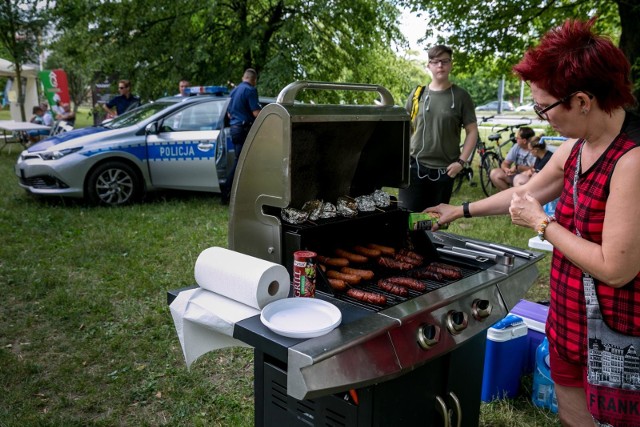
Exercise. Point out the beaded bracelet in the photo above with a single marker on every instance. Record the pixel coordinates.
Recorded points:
(543, 226)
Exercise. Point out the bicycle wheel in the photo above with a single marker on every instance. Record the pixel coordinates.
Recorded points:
(488, 161)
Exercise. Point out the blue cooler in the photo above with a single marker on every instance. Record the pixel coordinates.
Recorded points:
(535, 317)
(504, 358)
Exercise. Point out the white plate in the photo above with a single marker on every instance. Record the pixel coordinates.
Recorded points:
(301, 317)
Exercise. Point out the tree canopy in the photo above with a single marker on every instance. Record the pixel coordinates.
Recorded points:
(494, 35)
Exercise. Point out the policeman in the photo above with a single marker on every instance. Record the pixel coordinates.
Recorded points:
(242, 111)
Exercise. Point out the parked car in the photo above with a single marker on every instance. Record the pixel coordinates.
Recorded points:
(173, 143)
(525, 107)
(493, 106)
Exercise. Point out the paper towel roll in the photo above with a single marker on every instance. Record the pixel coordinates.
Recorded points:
(243, 278)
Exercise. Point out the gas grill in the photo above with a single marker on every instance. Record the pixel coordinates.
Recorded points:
(414, 360)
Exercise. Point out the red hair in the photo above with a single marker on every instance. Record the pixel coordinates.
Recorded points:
(573, 58)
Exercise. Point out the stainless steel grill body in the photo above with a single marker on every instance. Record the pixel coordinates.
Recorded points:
(299, 152)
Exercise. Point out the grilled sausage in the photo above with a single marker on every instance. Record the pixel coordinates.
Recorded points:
(368, 252)
(390, 287)
(334, 262)
(408, 282)
(409, 260)
(365, 274)
(447, 271)
(427, 274)
(392, 263)
(337, 284)
(357, 258)
(386, 250)
(369, 297)
(412, 254)
(351, 279)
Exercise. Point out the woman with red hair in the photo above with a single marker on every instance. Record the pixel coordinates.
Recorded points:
(580, 83)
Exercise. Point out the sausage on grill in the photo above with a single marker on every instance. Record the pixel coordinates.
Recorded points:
(395, 264)
(334, 262)
(337, 284)
(408, 282)
(368, 252)
(448, 272)
(386, 250)
(368, 297)
(357, 258)
(412, 254)
(427, 274)
(406, 258)
(390, 287)
(351, 279)
(365, 274)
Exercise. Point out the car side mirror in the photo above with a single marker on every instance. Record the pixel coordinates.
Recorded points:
(151, 128)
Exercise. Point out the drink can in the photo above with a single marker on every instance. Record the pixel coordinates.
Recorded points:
(304, 274)
(422, 221)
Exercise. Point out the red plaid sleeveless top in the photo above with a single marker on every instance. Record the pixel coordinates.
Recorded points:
(567, 324)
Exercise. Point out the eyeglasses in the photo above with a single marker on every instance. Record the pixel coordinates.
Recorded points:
(442, 62)
(542, 112)
(122, 87)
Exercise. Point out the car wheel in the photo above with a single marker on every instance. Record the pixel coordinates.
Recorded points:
(112, 184)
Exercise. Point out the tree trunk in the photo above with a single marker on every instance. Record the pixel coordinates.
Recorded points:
(630, 38)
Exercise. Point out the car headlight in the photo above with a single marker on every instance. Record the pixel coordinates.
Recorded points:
(58, 154)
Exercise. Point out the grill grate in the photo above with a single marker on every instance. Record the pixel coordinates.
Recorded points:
(392, 299)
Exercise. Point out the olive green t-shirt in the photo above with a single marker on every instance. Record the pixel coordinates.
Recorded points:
(438, 125)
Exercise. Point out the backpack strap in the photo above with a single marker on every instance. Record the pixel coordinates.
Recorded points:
(417, 94)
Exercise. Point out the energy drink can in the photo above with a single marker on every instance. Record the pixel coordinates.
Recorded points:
(304, 274)
(422, 221)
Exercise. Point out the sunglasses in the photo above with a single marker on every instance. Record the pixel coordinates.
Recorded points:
(122, 87)
(542, 112)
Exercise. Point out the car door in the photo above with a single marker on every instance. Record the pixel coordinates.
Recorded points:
(183, 154)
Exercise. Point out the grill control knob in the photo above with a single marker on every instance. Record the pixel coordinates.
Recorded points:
(457, 321)
(428, 336)
(481, 309)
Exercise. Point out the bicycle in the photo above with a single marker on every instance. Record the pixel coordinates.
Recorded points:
(467, 172)
(492, 157)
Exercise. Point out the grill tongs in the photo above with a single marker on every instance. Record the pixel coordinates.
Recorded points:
(456, 247)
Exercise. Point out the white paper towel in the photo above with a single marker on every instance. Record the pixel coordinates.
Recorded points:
(233, 287)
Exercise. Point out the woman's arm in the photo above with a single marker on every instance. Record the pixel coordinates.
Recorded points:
(544, 186)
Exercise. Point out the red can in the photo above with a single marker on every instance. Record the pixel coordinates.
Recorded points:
(304, 274)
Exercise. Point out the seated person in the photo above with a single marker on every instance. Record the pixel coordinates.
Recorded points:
(37, 118)
(67, 114)
(538, 148)
(519, 159)
(47, 117)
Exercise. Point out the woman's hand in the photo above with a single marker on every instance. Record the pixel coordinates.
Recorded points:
(445, 213)
(526, 211)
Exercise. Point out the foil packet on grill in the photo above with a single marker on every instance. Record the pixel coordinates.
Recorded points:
(382, 199)
(365, 203)
(347, 207)
(294, 216)
(328, 210)
(314, 208)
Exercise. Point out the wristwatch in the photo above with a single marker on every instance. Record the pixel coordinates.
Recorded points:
(465, 210)
(462, 163)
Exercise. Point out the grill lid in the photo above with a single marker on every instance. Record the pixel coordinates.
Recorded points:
(299, 152)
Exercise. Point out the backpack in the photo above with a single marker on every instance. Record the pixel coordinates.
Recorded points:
(415, 100)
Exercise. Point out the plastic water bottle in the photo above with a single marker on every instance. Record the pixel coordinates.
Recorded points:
(550, 208)
(544, 394)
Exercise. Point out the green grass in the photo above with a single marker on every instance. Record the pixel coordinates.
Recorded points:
(86, 337)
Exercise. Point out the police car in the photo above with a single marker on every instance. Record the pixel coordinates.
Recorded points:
(172, 143)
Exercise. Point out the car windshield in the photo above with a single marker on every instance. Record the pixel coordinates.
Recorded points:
(137, 115)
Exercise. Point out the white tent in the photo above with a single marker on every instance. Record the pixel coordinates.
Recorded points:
(30, 74)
